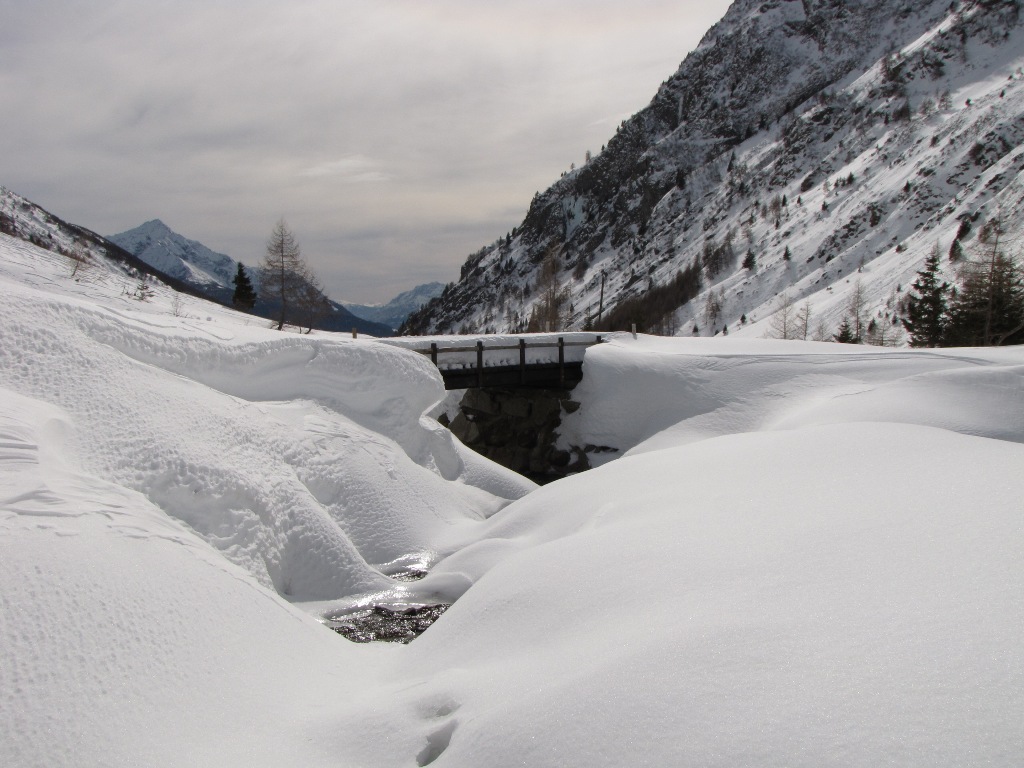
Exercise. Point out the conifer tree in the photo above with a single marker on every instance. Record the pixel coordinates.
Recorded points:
(283, 275)
(244, 296)
(927, 305)
(845, 335)
(988, 310)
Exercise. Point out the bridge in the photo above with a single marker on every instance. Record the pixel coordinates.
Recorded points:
(538, 363)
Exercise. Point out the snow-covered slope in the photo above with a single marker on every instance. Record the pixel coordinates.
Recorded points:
(821, 142)
(294, 412)
(813, 555)
(394, 312)
(186, 260)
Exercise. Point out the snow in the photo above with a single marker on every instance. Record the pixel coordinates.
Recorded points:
(807, 554)
(159, 246)
(684, 390)
(868, 195)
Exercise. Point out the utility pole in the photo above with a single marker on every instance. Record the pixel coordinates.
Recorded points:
(600, 306)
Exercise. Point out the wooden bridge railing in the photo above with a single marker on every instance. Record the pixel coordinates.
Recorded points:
(522, 346)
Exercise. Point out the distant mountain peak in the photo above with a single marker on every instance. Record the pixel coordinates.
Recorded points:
(188, 260)
(394, 312)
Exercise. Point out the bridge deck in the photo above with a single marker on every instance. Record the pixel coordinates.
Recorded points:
(470, 368)
(532, 376)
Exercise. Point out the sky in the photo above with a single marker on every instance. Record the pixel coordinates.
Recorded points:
(394, 137)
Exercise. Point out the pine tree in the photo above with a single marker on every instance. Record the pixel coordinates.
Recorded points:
(244, 296)
(845, 335)
(549, 312)
(927, 306)
(956, 251)
(750, 261)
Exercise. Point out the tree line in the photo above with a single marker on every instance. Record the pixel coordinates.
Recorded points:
(985, 309)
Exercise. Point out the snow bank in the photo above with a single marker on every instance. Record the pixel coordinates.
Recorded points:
(810, 555)
(645, 393)
(773, 598)
(128, 641)
(302, 459)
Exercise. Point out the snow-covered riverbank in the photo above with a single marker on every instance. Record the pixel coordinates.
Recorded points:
(810, 554)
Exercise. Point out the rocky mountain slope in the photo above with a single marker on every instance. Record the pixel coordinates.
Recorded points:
(188, 260)
(813, 150)
(394, 312)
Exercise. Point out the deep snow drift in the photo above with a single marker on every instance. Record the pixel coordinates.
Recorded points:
(809, 555)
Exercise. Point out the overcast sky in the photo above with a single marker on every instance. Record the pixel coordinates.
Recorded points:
(394, 136)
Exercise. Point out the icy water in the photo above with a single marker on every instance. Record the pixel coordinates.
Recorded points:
(387, 625)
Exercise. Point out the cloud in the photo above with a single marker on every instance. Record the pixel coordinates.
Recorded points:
(354, 168)
(432, 120)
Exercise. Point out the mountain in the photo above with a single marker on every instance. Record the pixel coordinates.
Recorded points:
(394, 312)
(213, 274)
(194, 268)
(187, 260)
(811, 152)
(83, 248)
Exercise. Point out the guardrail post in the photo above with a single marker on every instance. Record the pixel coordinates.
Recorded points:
(561, 362)
(433, 352)
(479, 363)
(522, 362)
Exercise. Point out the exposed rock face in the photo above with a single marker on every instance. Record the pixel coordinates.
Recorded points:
(818, 137)
(518, 429)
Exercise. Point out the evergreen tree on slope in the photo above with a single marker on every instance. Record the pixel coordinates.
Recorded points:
(927, 308)
(989, 308)
(244, 296)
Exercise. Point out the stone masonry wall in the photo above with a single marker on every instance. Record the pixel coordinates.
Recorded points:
(517, 429)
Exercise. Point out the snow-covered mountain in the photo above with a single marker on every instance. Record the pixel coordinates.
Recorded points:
(817, 149)
(187, 260)
(81, 248)
(394, 312)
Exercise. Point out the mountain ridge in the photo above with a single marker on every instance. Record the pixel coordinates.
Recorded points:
(395, 311)
(862, 118)
(188, 260)
(21, 218)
